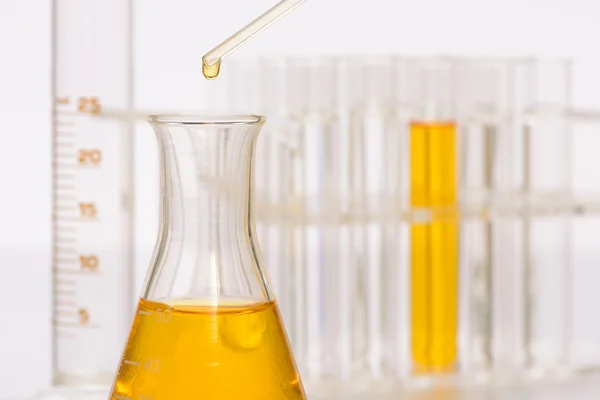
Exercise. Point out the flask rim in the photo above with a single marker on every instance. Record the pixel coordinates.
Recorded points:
(207, 119)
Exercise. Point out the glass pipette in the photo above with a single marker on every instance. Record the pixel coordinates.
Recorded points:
(211, 61)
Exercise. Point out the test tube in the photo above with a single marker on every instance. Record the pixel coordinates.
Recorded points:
(375, 151)
(434, 245)
(406, 110)
(348, 301)
(476, 145)
(489, 299)
(508, 235)
(312, 91)
(546, 182)
(584, 348)
(273, 177)
(242, 84)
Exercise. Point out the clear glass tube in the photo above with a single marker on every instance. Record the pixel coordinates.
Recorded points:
(584, 349)
(547, 182)
(406, 110)
(375, 149)
(92, 193)
(347, 329)
(488, 182)
(311, 91)
(276, 214)
(508, 243)
(242, 84)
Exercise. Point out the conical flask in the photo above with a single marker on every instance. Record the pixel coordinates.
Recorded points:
(207, 325)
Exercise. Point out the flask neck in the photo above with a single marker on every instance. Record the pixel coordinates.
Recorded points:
(207, 242)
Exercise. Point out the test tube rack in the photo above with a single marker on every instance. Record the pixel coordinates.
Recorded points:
(424, 219)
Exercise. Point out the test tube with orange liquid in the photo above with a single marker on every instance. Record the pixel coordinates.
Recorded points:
(434, 244)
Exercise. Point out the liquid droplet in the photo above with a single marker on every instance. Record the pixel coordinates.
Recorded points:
(211, 71)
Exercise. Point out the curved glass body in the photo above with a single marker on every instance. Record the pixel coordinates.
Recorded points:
(207, 324)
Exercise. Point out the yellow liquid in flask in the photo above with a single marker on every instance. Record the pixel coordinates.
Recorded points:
(186, 351)
(434, 247)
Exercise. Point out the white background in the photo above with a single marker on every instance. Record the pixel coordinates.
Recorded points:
(189, 28)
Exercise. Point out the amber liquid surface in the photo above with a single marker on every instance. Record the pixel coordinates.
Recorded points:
(434, 248)
(193, 351)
